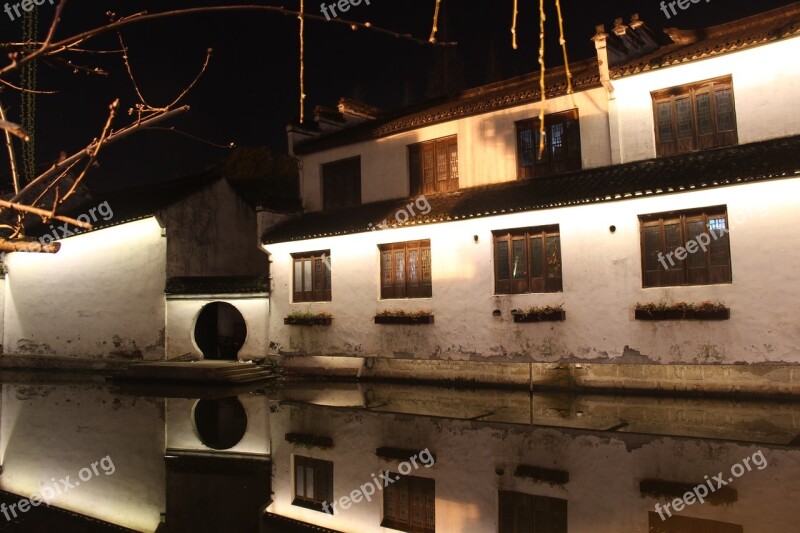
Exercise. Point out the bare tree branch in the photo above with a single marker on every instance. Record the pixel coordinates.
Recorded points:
(44, 213)
(29, 246)
(12, 156)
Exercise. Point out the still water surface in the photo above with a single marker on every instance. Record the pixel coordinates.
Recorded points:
(110, 458)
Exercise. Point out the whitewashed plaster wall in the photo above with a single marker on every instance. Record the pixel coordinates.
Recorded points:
(765, 82)
(41, 438)
(604, 471)
(102, 295)
(183, 311)
(602, 284)
(486, 149)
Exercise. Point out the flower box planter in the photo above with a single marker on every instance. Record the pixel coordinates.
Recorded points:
(551, 316)
(412, 320)
(680, 314)
(312, 321)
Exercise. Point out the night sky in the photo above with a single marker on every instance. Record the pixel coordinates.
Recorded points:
(250, 91)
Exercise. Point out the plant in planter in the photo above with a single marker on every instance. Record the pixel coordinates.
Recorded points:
(548, 313)
(682, 311)
(297, 318)
(398, 316)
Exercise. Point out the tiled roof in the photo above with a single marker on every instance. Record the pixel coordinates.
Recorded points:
(501, 95)
(746, 163)
(217, 285)
(692, 45)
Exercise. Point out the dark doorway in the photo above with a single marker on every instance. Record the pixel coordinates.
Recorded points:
(220, 331)
(220, 423)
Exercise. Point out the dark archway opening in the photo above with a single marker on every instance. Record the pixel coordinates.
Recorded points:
(220, 423)
(220, 331)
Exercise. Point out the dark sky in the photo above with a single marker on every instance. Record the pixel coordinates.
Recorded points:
(250, 91)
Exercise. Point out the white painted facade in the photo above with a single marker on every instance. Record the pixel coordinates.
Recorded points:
(102, 295)
(602, 273)
(183, 312)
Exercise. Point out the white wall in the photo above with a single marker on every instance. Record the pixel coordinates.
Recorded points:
(182, 433)
(42, 439)
(765, 81)
(602, 285)
(486, 149)
(102, 295)
(182, 313)
(604, 471)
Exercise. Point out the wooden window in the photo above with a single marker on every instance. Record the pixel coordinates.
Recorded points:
(434, 166)
(686, 524)
(527, 260)
(409, 504)
(313, 483)
(341, 183)
(406, 270)
(703, 230)
(695, 117)
(562, 146)
(312, 276)
(524, 513)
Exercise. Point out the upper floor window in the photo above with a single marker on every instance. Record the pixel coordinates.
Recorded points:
(312, 276)
(409, 504)
(341, 183)
(406, 270)
(695, 117)
(313, 483)
(527, 260)
(685, 248)
(433, 166)
(524, 513)
(562, 145)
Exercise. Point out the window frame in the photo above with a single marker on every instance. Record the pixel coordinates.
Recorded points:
(511, 507)
(530, 284)
(422, 183)
(324, 294)
(698, 140)
(405, 290)
(322, 473)
(685, 273)
(547, 165)
(337, 191)
(416, 488)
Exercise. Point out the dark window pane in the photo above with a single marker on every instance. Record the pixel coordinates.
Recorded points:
(693, 230)
(719, 242)
(298, 276)
(665, 122)
(526, 149)
(724, 109)
(673, 240)
(307, 275)
(652, 246)
(520, 270)
(704, 124)
(685, 124)
(501, 255)
(553, 257)
(557, 142)
(537, 258)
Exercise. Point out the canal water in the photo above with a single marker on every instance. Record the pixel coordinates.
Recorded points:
(84, 455)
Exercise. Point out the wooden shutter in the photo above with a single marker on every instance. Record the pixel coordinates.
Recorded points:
(502, 264)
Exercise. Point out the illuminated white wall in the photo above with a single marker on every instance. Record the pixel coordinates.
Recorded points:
(182, 434)
(602, 284)
(41, 438)
(604, 471)
(102, 295)
(486, 149)
(182, 313)
(765, 82)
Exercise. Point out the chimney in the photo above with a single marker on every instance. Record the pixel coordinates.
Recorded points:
(601, 44)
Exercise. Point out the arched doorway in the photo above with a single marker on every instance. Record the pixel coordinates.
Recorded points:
(220, 424)
(220, 331)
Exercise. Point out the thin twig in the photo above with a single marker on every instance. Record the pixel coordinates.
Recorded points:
(12, 157)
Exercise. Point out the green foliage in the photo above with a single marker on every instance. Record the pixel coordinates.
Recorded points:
(400, 312)
(543, 311)
(680, 306)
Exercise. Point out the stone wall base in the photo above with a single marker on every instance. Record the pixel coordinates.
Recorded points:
(775, 380)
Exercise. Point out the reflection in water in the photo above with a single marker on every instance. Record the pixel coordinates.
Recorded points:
(387, 457)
